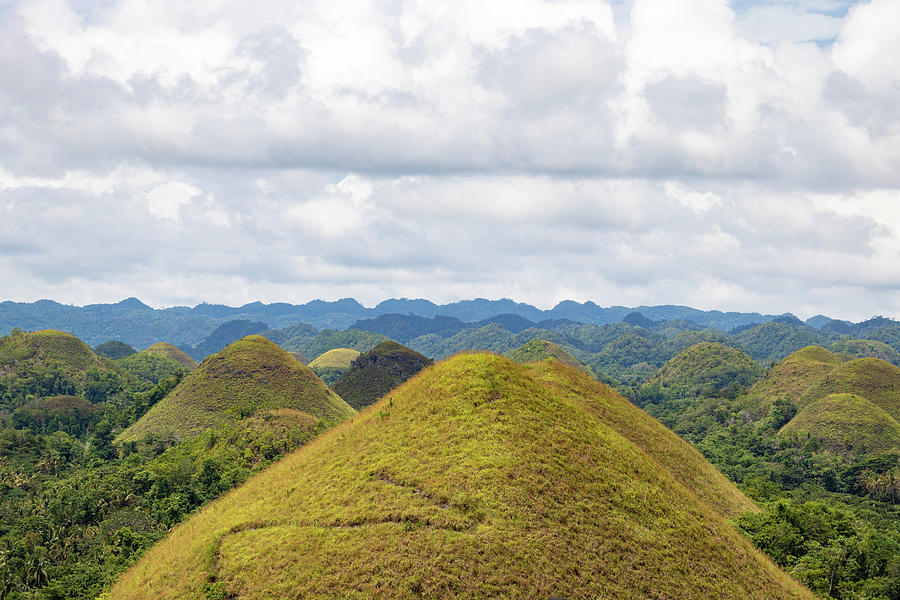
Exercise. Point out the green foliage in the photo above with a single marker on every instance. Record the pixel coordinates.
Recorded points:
(52, 363)
(148, 369)
(773, 341)
(114, 349)
(378, 371)
(866, 348)
(70, 414)
(838, 546)
(328, 339)
(705, 370)
(72, 519)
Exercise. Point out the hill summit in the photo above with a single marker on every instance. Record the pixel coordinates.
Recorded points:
(476, 478)
(537, 350)
(249, 375)
(376, 372)
(167, 350)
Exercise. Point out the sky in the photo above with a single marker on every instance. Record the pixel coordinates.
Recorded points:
(738, 155)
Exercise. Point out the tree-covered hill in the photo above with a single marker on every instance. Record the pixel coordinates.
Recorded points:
(375, 373)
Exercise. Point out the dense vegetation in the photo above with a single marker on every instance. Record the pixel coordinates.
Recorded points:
(816, 442)
(76, 508)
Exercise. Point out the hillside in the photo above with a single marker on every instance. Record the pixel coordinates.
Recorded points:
(874, 379)
(538, 350)
(846, 424)
(706, 369)
(114, 349)
(51, 363)
(169, 351)
(791, 378)
(375, 373)
(774, 340)
(477, 478)
(331, 365)
(249, 375)
(299, 356)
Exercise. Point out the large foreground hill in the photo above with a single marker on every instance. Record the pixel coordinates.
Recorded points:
(477, 478)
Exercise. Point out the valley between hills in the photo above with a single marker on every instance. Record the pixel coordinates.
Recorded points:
(473, 450)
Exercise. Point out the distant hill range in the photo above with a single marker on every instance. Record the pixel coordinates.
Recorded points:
(139, 325)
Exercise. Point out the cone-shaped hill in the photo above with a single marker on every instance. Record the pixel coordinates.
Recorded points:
(538, 350)
(174, 352)
(791, 378)
(476, 478)
(705, 369)
(376, 372)
(47, 363)
(336, 358)
(876, 380)
(249, 375)
(846, 424)
(331, 365)
(48, 347)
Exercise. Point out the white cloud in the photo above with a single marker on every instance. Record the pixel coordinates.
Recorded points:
(868, 44)
(164, 200)
(634, 152)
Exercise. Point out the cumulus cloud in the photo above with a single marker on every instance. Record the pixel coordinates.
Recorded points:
(703, 152)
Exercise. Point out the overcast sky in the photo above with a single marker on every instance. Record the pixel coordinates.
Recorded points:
(737, 155)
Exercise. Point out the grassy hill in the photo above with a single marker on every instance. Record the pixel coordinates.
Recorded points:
(169, 351)
(866, 348)
(331, 365)
(538, 350)
(249, 375)
(51, 363)
(477, 478)
(845, 424)
(790, 378)
(875, 380)
(706, 369)
(378, 371)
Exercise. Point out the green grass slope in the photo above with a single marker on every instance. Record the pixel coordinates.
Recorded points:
(678, 457)
(338, 358)
(791, 378)
(249, 375)
(846, 424)
(874, 379)
(169, 351)
(476, 479)
(378, 371)
(705, 369)
(539, 350)
(332, 365)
